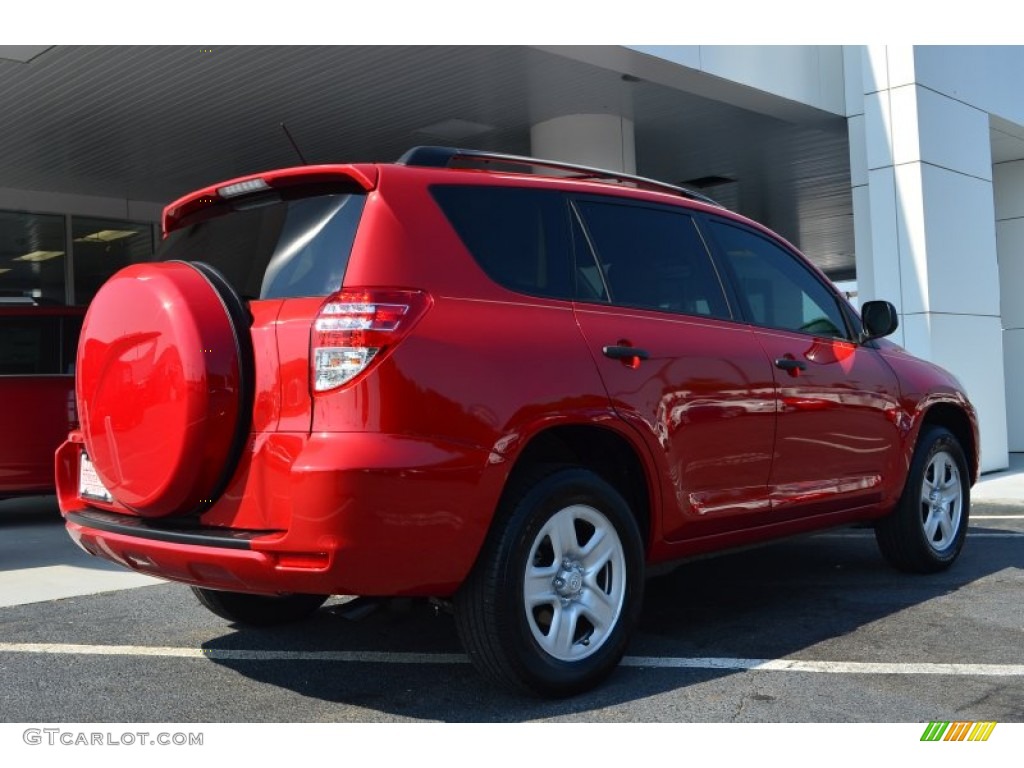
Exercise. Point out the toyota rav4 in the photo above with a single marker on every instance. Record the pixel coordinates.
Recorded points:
(506, 383)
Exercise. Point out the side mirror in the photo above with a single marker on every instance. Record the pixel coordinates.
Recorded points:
(879, 319)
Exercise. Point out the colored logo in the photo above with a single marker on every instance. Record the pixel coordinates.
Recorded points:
(960, 731)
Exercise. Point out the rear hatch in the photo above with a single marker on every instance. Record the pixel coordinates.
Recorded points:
(183, 359)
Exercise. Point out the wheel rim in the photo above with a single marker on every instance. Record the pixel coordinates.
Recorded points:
(575, 583)
(941, 501)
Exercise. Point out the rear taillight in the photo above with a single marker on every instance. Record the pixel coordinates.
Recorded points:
(355, 327)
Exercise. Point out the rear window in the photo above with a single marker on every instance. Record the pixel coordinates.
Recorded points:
(271, 248)
(518, 236)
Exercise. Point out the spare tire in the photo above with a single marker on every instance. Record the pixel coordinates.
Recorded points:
(164, 386)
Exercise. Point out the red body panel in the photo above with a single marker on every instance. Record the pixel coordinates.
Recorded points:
(838, 442)
(704, 403)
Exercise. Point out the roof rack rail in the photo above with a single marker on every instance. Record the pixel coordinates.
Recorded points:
(442, 157)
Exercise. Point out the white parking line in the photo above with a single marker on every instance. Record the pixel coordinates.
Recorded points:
(867, 535)
(661, 662)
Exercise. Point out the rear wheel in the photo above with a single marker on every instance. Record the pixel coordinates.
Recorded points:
(556, 591)
(926, 531)
(258, 610)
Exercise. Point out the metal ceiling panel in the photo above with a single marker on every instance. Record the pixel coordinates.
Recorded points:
(153, 122)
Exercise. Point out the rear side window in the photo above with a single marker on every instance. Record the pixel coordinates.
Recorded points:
(651, 258)
(274, 248)
(778, 290)
(518, 236)
(38, 345)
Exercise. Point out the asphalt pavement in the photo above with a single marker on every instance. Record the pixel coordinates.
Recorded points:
(815, 629)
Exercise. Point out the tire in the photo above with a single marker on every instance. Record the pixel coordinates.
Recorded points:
(258, 610)
(926, 531)
(557, 588)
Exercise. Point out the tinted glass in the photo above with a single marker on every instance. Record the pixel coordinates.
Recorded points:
(517, 236)
(651, 258)
(38, 345)
(100, 247)
(32, 257)
(275, 249)
(779, 291)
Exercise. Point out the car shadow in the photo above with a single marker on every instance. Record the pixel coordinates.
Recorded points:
(776, 601)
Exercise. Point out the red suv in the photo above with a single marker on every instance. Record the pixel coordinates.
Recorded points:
(512, 390)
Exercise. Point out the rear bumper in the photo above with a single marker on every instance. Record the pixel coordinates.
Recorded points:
(329, 513)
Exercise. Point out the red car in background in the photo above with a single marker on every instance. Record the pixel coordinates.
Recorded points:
(37, 391)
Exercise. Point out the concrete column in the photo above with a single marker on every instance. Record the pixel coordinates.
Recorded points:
(929, 242)
(599, 140)
(1008, 179)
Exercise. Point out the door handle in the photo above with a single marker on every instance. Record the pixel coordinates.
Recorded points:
(619, 352)
(791, 365)
(629, 356)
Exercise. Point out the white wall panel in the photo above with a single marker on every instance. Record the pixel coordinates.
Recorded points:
(971, 348)
(953, 134)
(913, 249)
(877, 123)
(858, 150)
(1009, 189)
(1010, 242)
(960, 243)
(874, 68)
(853, 79)
(988, 77)
(1013, 355)
(810, 74)
(903, 127)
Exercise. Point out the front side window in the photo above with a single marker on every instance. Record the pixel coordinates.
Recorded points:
(779, 291)
(651, 258)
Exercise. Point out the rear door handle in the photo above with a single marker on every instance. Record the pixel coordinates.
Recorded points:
(619, 352)
(789, 364)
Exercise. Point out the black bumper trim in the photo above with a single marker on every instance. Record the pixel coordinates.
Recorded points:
(141, 528)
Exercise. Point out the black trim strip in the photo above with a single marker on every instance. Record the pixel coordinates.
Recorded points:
(141, 528)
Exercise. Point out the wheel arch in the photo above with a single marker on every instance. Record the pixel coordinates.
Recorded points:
(955, 418)
(604, 451)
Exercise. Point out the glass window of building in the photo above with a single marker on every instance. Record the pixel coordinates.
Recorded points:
(32, 257)
(101, 247)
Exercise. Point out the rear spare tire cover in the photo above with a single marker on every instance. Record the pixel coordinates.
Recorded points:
(164, 362)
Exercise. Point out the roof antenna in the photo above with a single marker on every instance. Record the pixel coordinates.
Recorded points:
(294, 145)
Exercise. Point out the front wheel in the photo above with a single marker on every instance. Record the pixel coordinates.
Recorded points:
(556, 591)
(926, 531)
(258, 610)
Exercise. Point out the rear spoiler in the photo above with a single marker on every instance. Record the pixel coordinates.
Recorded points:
(362, 176)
